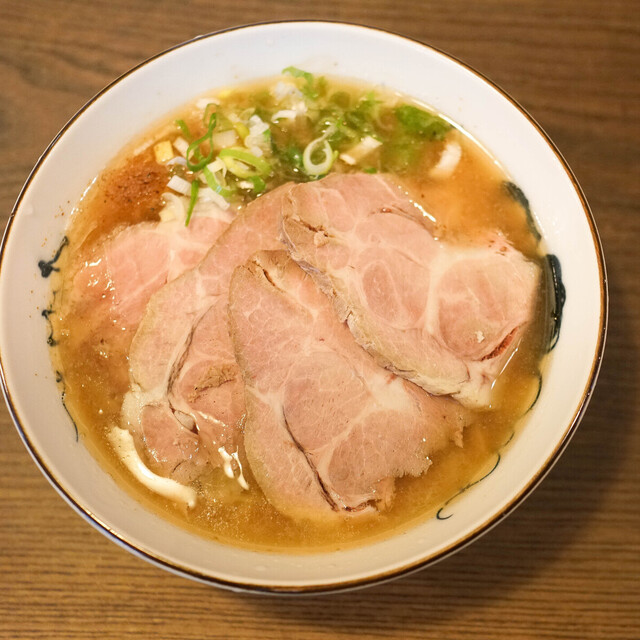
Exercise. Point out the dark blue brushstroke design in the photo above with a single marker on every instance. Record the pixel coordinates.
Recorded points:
(51, 341)
(47, 266)
(60, 381)
(534, 400)
(439, 515)
(554, 272)
(558, 298)
(558, 295)
(518, 195)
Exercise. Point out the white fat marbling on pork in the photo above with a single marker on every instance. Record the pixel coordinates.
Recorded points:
(415, 303)
(182, 362)
(327, 429)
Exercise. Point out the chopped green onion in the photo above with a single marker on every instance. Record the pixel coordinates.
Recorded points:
(206, 114)
(288, 161)
(299, 73)
(241, 129)
(231, 155)
(211, 180)
(292, 155)
(194, 148)
(208, 195)
(259, 184)
(181, 145)
(180, 185)
(320, 168)
(195, 187)
(182, 125)
(422, 122)
(308, 90)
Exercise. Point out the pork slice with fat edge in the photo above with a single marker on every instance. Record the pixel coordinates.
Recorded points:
(327, 429)
(186, 402)
(444, 316)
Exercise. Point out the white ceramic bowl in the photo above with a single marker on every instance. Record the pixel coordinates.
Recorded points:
(160, 85)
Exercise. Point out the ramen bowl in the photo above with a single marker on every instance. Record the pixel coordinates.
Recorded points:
(157, 87)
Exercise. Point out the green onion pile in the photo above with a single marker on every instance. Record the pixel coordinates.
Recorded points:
(300, 128)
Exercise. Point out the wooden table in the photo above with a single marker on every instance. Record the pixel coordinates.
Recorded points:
(566, 564)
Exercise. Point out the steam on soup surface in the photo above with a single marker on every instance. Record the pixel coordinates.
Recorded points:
(199, 315)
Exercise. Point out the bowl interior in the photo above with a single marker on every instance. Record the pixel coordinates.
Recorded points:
(157, 87)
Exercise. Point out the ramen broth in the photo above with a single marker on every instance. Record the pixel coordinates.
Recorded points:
(471, 201)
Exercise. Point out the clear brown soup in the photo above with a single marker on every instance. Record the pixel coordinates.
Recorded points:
(472, 201)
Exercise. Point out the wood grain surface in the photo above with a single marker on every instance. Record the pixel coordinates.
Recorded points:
(566, 564)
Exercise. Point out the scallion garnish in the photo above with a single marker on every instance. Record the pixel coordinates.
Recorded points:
(195, 151)
(308, 89)
(242, 169)
(207, 112)
(421, 122)
(318, 146)
(211, 180)
(241, 129)
(195, 187)
(182, 125)
(259, 146)
(259, 184)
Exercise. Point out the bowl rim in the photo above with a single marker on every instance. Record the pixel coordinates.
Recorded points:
(381, 576)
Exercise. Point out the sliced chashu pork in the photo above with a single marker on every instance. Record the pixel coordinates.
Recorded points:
(186, 401)
(444, 316)
(327, 430)
(128, 267)
(112, 286)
